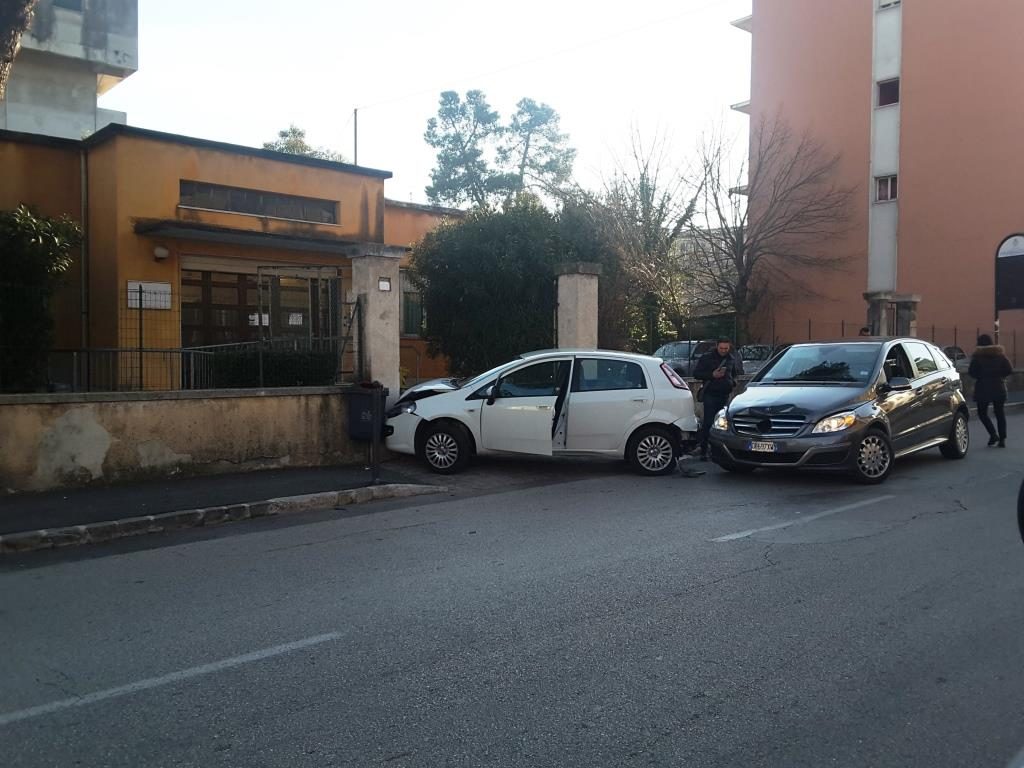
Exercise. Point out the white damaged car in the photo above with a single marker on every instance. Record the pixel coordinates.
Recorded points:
(550, 403)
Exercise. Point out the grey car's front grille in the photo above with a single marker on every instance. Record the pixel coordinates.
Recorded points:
(763, 425)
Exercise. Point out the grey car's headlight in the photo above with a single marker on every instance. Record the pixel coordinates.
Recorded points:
(721, 422)
(836, 423)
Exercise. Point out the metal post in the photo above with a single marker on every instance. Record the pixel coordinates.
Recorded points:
(259, 319)
(355, 136)
(361, 362)
(995, 290)
(775, 337)
(378, 421)
(842, 329)
(74, 368)
(955, 328)
(140, 338)
(933, 333)
(1014, 347)
(809, 337)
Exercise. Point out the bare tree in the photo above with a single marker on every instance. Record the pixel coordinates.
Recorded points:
(644, 211)
(15, 18)
(752, 242)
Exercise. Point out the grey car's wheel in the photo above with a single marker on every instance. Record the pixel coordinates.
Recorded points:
(652, 451)
(872, 457)
(959, 441)
(445, 448)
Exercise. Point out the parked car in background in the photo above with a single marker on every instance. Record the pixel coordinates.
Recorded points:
(756, 356)
(847, 406)
(961, 360)
(682, 356)
(558, 402)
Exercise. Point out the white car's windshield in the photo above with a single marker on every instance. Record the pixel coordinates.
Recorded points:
(476, 381)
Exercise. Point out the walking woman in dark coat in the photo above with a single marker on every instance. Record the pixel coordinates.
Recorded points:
(989, 368)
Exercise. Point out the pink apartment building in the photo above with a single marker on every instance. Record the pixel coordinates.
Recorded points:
(924, 99)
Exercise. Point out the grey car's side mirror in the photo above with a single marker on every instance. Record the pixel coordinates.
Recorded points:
(896, 384)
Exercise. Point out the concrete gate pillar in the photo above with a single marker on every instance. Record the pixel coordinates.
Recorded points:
(375, 280)
(878, 312)
(888, 310)
(906, 314)
(577, 305)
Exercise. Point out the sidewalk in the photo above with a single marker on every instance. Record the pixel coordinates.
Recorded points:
(1014, 401)
(95, 513)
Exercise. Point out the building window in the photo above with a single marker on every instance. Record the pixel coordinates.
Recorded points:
(197, 194)
(885, 189)
(889, 92)
(883, 4)
(412, 307)
(224, 308)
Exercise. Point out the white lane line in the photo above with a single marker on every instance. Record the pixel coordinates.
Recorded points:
(802, 520)
(173, 677)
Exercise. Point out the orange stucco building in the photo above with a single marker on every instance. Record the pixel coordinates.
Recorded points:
(228, 243)
(923, 100)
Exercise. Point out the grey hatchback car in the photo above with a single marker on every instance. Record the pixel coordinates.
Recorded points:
(846, 406)
(682, 356)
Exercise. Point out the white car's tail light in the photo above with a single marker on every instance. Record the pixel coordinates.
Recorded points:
(676, 380)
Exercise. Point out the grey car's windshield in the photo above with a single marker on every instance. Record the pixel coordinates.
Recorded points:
(851, 363)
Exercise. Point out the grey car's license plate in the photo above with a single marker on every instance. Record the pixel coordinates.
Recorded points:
(761, 446)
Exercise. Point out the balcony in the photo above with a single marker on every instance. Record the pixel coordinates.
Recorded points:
(746, 23)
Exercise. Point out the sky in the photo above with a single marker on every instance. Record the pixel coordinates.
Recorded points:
(241, 70)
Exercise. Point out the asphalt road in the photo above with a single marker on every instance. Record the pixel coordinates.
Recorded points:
(611, 620)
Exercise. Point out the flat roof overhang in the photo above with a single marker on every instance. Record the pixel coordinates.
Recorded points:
(190, 230)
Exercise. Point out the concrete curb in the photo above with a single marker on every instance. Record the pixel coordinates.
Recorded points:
(108, 530)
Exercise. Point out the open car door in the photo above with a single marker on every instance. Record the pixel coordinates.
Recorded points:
(520, 417)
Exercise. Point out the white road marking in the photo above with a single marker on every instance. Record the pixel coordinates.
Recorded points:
(802, 520)
(156, 682)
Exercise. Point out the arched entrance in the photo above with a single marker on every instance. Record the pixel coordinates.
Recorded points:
(1009, 293)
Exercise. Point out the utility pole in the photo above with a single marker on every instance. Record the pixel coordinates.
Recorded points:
(355, 136)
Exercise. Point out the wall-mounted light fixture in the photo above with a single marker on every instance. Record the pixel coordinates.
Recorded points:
(160, 253)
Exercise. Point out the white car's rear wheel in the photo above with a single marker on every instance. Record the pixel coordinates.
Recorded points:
(652, 451)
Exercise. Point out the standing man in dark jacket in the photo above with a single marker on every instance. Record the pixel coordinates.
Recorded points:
(717, 369)
(989, 368)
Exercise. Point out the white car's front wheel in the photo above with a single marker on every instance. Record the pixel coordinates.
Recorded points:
(445, 447)
(652, 451)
